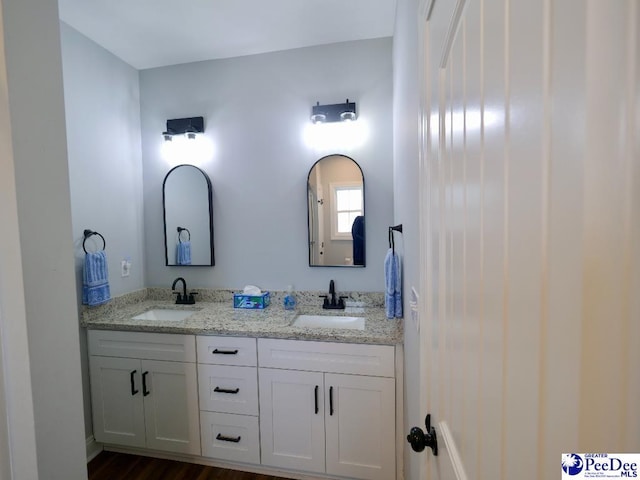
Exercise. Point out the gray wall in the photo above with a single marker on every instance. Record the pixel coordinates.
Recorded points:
(35, 94)
(102, 103)
(406, 101)
(255, 110)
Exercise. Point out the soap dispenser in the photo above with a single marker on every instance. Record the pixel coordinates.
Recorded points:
(289, 299)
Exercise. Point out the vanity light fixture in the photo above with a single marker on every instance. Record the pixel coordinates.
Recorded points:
(338, 112)
(190, 133)
(348, 116)
(317, 117)
(189, 127)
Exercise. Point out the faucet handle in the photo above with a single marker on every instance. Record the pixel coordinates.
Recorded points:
(179, 297)
(326, 300)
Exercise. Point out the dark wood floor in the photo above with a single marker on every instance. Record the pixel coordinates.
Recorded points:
(120, 466)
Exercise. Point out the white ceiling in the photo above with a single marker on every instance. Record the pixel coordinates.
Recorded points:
(154, 33)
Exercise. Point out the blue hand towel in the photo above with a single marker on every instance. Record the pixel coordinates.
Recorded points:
(95, 279)
(183, 253)
(393, 285)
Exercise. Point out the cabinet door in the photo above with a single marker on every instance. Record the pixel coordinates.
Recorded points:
(116, 394)
(360, 426)
(170, 392)
(292, 419)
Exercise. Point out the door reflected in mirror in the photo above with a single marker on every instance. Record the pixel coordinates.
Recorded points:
(188, 217)
(335, 207)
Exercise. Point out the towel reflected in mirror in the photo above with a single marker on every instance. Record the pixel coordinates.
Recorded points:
(183, 253)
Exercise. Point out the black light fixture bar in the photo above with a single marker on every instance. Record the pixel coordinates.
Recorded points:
(338, 112)
(180, 126)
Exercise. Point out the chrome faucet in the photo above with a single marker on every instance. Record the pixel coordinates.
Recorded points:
(183, 299)
(333, 304)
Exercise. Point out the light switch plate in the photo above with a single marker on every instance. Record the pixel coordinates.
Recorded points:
(413, 305)
(125, 268)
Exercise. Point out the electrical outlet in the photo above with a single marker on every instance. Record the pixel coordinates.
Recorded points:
(125, 268)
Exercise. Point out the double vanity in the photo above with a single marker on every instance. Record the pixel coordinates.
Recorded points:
(305, 393)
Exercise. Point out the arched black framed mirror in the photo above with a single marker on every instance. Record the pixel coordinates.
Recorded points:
(335, 212)
(188, 217)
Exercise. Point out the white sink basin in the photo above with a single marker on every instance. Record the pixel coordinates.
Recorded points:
(329, 321)
(165, 314)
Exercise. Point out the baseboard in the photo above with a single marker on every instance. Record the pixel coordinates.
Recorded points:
(93, 448)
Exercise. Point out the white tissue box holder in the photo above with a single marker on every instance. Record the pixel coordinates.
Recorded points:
(243, 300)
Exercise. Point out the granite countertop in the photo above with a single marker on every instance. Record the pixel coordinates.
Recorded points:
(220, 318)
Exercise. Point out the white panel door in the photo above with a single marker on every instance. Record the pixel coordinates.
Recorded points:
(360, 426)
(170, 391)
(292, 419)
(116, 395)
(530, 231)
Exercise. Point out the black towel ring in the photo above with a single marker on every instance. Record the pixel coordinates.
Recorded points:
(392, 244)
(180, 230)
(89, 233)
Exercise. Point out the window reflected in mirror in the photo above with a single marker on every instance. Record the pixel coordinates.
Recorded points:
(336, 217)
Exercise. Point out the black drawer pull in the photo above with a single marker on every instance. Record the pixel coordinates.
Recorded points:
(316, 398)
(145, 392)
(330, 400)
(226, 390)
(228, 439)
(133, 382)
(225, 352)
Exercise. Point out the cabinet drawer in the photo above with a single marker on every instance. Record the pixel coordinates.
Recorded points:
(227, 350)
(357, 359)
(228, 389)
(230, 437)
(143, 345)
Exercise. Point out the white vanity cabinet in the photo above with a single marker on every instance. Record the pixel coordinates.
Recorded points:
(144, 390)
(328, 407)
(228, 390)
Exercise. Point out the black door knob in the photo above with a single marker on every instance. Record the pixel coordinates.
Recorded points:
(419, 439)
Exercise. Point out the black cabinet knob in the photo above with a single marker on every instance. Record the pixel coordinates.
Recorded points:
(419, 439)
